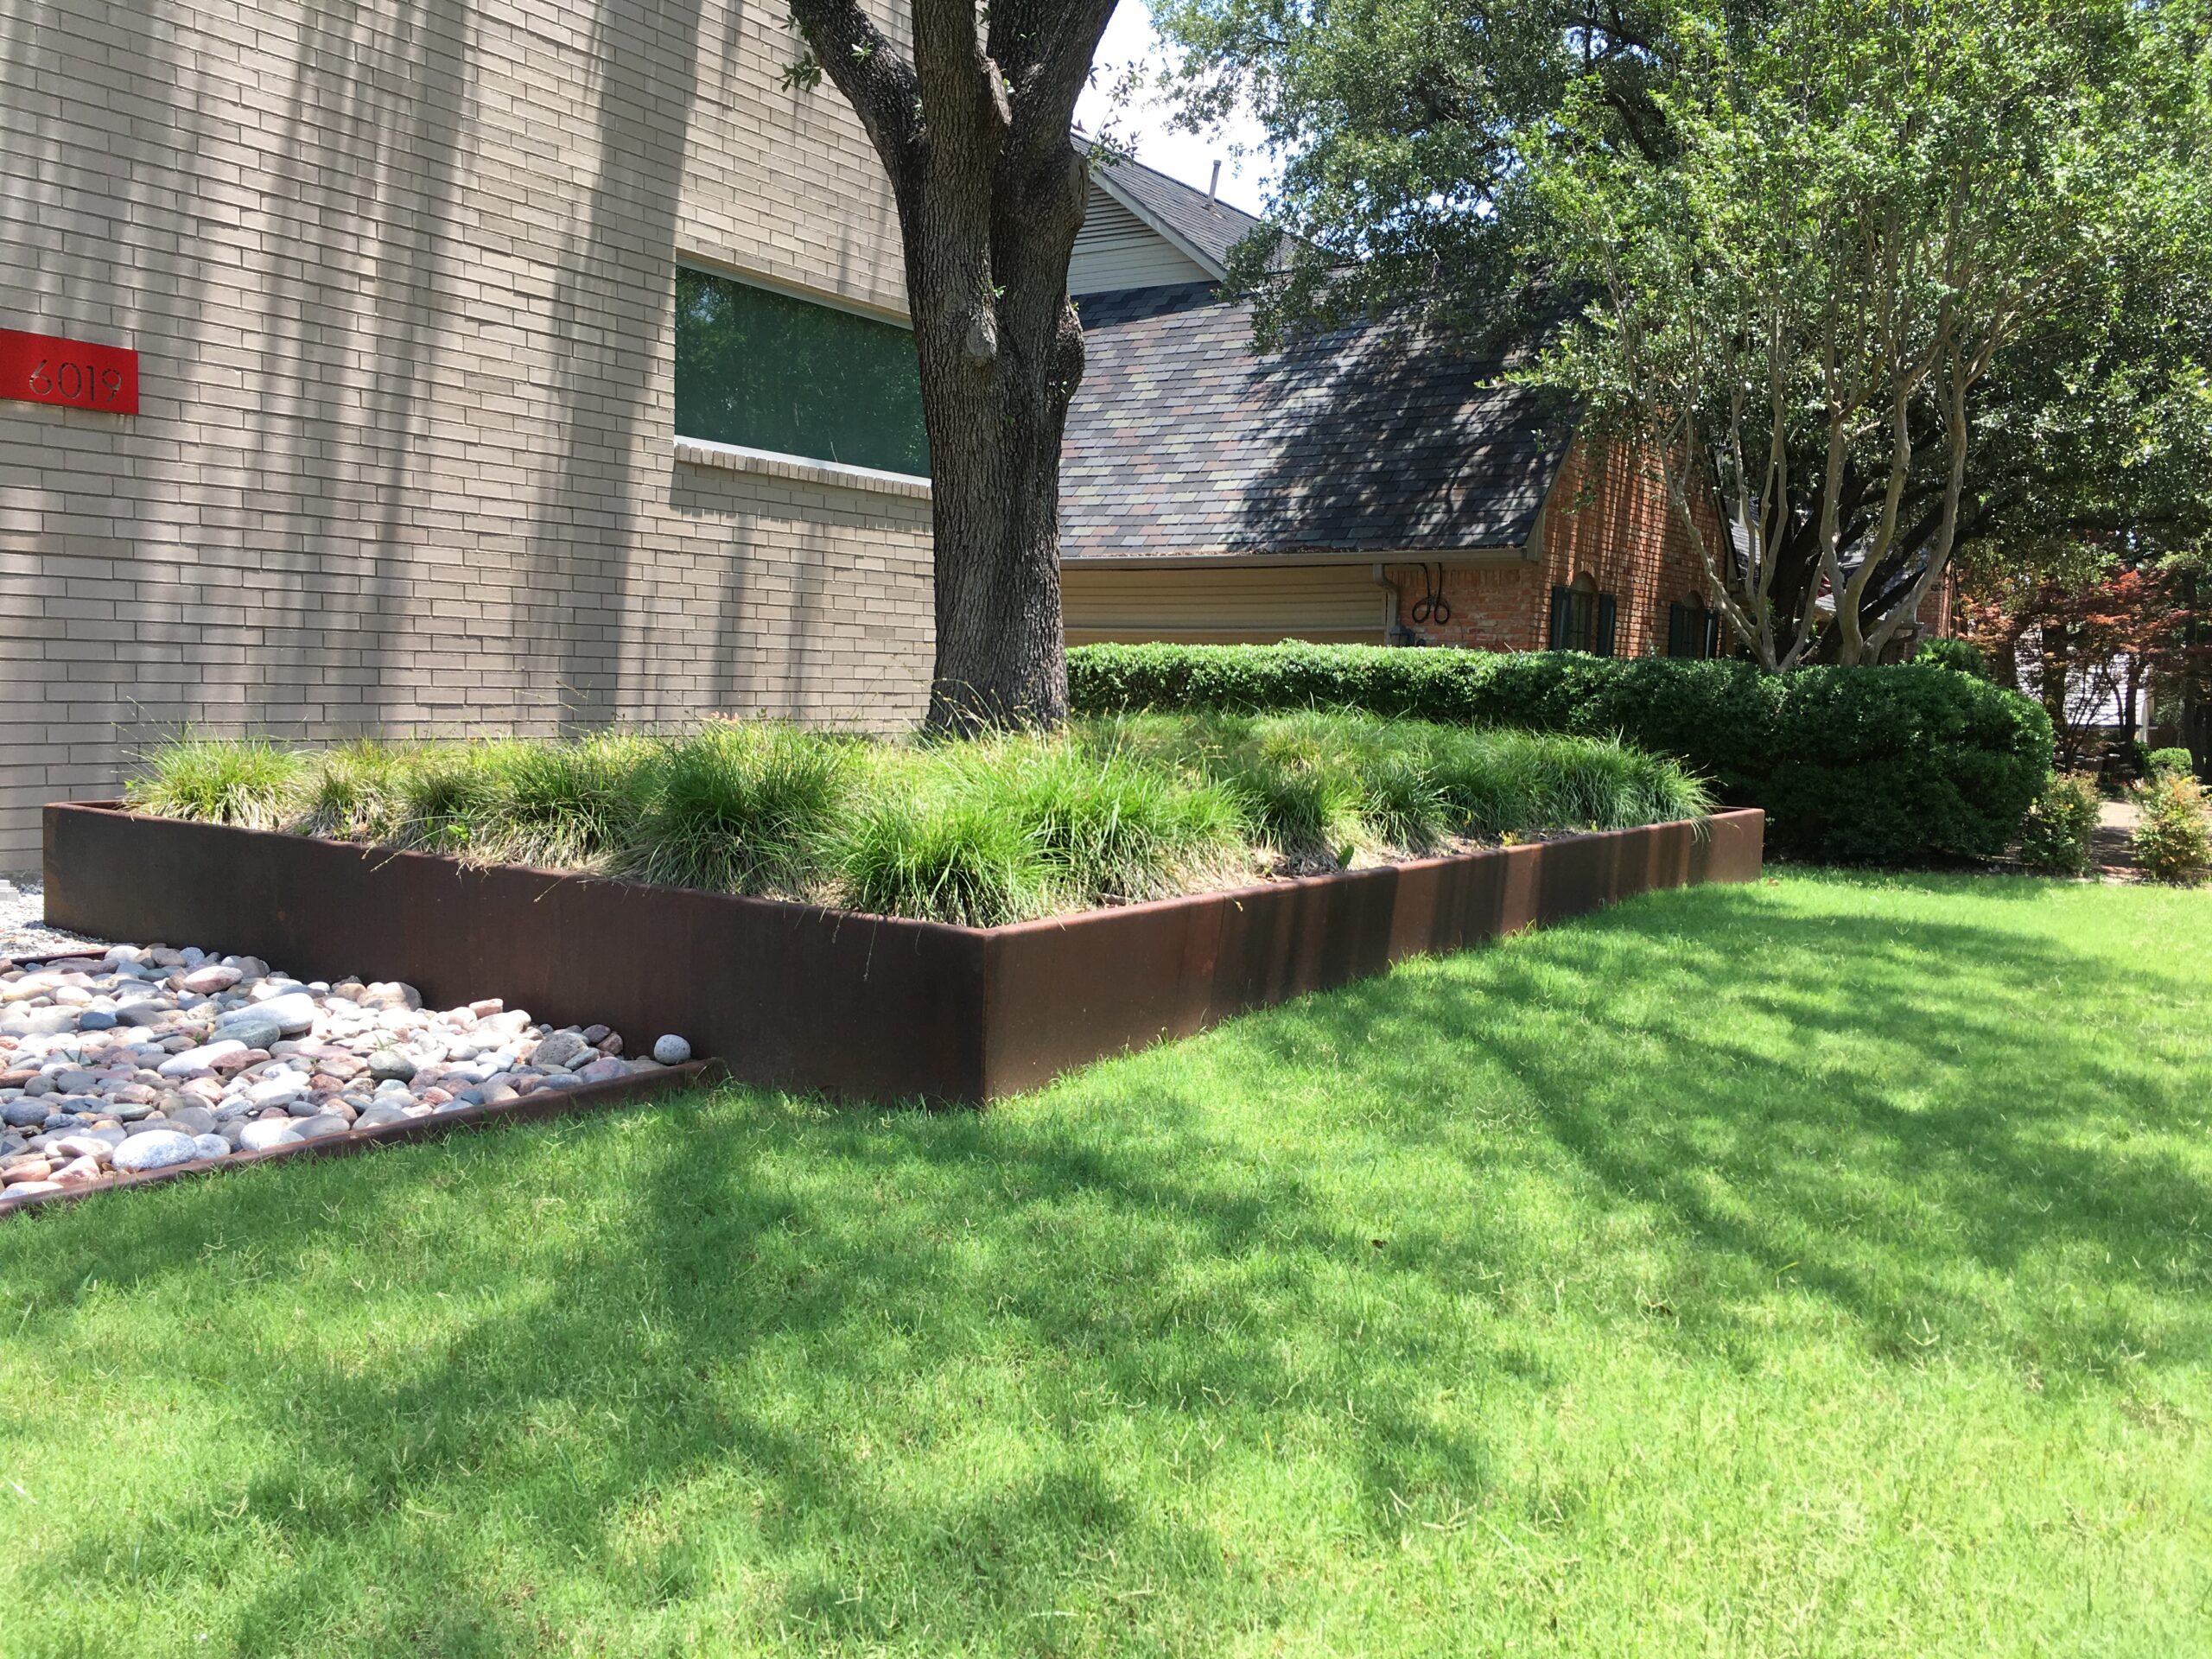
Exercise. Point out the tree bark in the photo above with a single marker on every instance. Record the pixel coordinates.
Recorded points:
(974, 133)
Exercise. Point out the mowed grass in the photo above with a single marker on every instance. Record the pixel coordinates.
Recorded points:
(1820, 1266)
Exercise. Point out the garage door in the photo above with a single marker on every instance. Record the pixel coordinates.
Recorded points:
(1230, 605)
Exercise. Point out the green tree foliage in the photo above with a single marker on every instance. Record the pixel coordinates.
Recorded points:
(1887, 277)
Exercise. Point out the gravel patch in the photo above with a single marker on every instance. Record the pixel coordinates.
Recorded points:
(23, 932)
(134, 1057)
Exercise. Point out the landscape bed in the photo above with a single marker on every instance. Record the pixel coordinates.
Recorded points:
(803, 997)
(585, 1098)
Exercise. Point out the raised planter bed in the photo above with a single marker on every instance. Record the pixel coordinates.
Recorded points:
(797, 997)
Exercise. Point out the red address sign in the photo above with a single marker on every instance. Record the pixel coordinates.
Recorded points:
(47, 368)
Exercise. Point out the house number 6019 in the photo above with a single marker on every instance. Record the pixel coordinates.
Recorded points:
(47, 369)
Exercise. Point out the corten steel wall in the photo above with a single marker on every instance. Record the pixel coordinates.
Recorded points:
(401, 275)
(1608, 516)
(793, 996)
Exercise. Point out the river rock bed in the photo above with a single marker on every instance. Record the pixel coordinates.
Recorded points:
(144, 1056)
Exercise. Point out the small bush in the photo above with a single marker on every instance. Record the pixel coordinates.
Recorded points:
(2055, 837)
(249, 782)
(2171, 843)
(1858, 765)
(1959, 656)
(2174, 762)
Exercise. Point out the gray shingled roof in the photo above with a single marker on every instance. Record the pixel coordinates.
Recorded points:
(1370, 439)
(1211, 227)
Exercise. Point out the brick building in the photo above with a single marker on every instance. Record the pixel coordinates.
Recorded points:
(500, 367)
(1369, 485)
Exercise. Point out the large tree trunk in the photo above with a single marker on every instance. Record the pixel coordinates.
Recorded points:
(997, 376)
(975, 136)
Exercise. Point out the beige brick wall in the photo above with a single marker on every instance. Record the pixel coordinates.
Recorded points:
(401, 273)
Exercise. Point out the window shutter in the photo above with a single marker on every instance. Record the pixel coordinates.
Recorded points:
(1607, 617)
(1678, 631)
(1559, 599)
(1713, 634)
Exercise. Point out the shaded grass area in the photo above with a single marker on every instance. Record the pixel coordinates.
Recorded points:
(1818, 1266)
(997, 830)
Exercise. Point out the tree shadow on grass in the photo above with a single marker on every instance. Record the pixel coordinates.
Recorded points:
(1891, 1112)
(878, 1378)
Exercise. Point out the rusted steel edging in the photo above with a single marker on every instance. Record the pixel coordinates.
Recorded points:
(796, 997)
(557, 1102)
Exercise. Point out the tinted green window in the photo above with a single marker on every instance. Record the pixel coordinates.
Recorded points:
(764, 370)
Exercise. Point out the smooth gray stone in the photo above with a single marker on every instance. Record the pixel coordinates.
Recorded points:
(671, 1050)
(97, 1019)
(210, 1146)
(24, 1114)
(293, 1011)
(390, 1065)
(256, 1136)
(155, 1149)
(561, 1048)
(38, 1022)
(248, 1025)
(314, 1128)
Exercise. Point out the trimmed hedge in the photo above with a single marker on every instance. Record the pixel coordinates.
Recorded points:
(1882, 766)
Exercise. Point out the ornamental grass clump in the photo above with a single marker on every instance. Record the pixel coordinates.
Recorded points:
(248, 781)
(1110, 826)
(569, 805)
(943, 856)
(355, 791)
(740, 807)
(2171, 843)
(1324, 787)
(983, 831)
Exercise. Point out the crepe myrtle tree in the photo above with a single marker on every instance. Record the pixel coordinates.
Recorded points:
(1863, 207)
(973, 127)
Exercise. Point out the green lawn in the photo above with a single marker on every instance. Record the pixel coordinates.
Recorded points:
(1823, 1267)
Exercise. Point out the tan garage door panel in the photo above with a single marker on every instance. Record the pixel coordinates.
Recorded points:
(1325, 603)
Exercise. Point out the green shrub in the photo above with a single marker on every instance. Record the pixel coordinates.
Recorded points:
(1959, 656)
(2171, 843)
(2177, 761)
(738, 807)
(2055, 836)
(245, 781)
(1863, 765)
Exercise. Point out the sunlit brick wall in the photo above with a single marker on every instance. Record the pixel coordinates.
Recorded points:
(401, 275)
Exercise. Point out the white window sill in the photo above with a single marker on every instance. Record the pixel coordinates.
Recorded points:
(736, 458)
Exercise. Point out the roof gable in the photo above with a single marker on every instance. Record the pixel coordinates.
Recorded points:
(1140, 223)
(1370, 439)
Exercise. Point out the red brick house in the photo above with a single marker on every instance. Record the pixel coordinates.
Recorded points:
(1369, 485)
